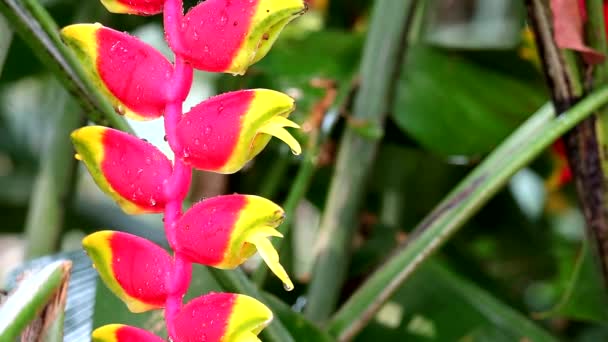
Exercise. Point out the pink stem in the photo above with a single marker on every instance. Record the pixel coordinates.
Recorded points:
(176, 187)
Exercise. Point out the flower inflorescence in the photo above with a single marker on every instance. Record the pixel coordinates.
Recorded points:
(221, 134)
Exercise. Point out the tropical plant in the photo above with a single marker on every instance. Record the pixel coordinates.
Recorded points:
(447, 146)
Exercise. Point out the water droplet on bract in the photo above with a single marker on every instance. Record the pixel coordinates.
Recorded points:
(208, 130)
(223, 18)
(288, 287)
(78, 156)
(206, 48)
(197, 142)
(152, 202)
(294, 152)
(120, 109)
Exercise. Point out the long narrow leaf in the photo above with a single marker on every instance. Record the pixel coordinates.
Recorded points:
(31, 297)
(36, 27)
(529, 141)
(6, 36)
(502, 316)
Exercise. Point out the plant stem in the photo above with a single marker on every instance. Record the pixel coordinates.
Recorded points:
(176, 187)
(525, 144)
(296, 193)
(5, 40)
(49, 199)
(584, 143)
(381, 61)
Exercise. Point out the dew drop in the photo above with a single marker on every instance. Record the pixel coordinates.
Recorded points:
(78, 156)
(288, 287)
(120, 109)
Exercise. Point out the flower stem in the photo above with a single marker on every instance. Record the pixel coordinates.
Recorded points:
(176, 187)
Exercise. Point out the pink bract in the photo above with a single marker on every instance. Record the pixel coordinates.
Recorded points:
(204, 231)
(135, 169)
(204, 319)
(140, 267)
(210, 131)
(133, 71)
(213, 31)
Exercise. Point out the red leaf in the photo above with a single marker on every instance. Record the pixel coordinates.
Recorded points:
(568, 20)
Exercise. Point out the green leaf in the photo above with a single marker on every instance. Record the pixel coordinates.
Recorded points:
(295, 322)
(525, 144)
(36, 27)
(444, 95)
(585, 296)
(5, 41)
(31, 296)
(418, 312)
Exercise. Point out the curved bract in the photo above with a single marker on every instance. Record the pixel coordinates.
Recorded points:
(130, 170)
(132, 74)
(227, 317)
(123, 333)
(137, 7)
(225, 132)
(232, 228)
(134, 268)
(229, 36)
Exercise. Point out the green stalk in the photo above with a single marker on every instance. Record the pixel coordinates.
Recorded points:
(296, 193)
(596, 39)
(525, 144)
(36, 27)
(6, 36)
(275, 177)
(381, 60)
(49, 199)
(569, 80)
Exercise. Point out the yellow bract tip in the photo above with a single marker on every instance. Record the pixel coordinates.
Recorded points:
(276, 128)
(106, 333)
(259, 238)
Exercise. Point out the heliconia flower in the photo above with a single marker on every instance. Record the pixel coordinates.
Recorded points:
(224, 231)
(134, 268)
(123, 333)
(132, 74)
(137, 7)
(229, 36)
(221, 317)
(128, 169)
(224, 132)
